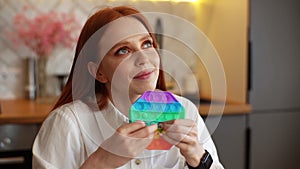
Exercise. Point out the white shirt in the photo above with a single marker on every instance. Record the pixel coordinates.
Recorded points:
(72, 132)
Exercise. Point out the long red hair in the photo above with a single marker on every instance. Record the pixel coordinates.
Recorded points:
(81, 84)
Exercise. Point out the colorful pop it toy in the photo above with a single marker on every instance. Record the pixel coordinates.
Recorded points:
(154, 107)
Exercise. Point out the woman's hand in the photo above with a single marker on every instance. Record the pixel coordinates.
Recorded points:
(183, 133)
(126, 143)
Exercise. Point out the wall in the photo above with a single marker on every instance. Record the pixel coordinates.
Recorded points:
(12, 58)
(226, 25)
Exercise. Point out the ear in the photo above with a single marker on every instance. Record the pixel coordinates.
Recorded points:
(93, 70)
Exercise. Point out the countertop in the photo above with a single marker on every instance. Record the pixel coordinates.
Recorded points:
(23, 111)
(28, 111)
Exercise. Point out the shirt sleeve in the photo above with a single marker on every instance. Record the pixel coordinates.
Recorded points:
(58, 144)
(203, 133)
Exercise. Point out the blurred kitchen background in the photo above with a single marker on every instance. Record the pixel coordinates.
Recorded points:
(258, 44)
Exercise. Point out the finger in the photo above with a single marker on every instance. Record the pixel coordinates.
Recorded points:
(183, 138)
(131, 127)
(181, 128)
(178, 143)
(145, 132)
(185, 130)
(181, 146)
(179, 122)
(170, 140)
(184, 122)
(184, 145)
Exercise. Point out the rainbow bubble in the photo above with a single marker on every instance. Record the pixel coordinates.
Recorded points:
(154, 107)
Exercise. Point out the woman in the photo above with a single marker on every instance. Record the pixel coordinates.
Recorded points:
(116, 61)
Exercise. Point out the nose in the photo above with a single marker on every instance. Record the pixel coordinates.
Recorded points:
(141, 58)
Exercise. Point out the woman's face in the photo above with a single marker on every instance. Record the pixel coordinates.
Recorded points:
(130, 65)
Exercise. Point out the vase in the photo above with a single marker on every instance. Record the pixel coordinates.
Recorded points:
(42, 77)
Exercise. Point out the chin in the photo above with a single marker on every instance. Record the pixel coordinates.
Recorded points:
(141, 89)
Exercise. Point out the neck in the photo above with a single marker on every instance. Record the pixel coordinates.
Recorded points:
(123, 102)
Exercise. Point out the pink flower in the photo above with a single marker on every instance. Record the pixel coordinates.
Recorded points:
(45, 31)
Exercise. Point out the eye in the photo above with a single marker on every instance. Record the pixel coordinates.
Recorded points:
(147, 44)
(122, 51)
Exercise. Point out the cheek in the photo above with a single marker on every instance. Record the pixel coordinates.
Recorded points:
(155, 59)
(118, 72)
(107, 70)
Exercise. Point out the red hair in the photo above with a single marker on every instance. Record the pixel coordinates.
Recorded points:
(80, 84)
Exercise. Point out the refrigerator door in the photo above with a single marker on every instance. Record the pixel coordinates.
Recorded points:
(275, 81)
(275, 58)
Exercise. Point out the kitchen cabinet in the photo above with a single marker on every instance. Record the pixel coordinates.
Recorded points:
(230, 140)
(275, 139)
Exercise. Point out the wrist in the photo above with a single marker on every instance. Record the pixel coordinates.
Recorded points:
(194, 160)
(205, 162)
(104, 159)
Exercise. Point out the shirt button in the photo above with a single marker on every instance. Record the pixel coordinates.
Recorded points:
(138, 161)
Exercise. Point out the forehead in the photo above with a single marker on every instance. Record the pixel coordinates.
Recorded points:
(120, 30)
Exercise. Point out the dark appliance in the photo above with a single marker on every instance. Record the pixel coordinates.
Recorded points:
(15, 145)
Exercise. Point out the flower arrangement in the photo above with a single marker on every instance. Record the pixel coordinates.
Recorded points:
(45, 31)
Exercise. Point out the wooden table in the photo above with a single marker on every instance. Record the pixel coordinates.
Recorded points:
(27, 111)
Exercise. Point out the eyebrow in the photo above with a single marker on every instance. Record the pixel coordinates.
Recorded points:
(147, 36)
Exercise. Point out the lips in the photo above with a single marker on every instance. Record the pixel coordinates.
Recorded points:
(144, 75)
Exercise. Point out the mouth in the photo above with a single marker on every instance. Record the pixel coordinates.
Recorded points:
(144, 75)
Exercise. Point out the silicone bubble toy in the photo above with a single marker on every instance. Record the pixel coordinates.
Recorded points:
(154, 107)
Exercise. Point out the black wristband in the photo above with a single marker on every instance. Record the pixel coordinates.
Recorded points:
(205, 162)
